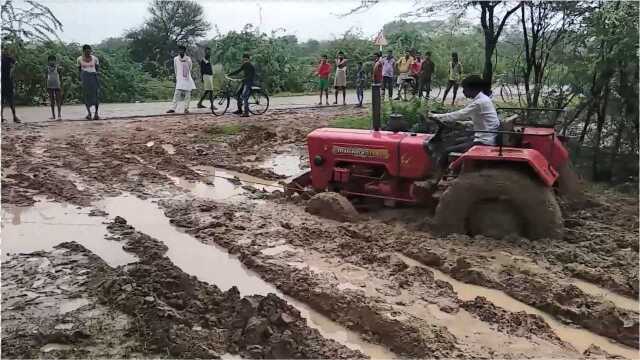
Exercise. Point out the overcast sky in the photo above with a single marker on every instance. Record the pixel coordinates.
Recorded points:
(90, 21)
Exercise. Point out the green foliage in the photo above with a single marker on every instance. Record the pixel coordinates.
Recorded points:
(352, 122)
(226, 129)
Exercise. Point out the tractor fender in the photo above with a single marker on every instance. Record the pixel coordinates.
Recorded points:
(480, 155)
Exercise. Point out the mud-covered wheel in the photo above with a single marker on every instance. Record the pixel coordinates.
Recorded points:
(499, 202)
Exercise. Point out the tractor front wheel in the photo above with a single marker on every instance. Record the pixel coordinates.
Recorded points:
(499, 202)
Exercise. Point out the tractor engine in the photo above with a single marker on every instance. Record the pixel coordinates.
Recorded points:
(379, 164)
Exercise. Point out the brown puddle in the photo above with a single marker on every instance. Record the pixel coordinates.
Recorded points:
(214, 265)
(580, 339)
(46, 224)
(622, 302)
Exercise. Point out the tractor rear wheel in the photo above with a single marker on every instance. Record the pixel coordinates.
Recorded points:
(499, 202)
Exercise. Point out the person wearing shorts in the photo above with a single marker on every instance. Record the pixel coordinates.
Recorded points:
(206, 76)
(54, 87)
(340, 81)
(455, 75)
(323, 71)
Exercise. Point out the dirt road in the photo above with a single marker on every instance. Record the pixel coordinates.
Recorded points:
(171, 238)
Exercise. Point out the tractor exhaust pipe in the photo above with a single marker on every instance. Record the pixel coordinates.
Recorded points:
(375, 107)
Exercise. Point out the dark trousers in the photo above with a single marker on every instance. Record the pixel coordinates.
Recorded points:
(387, 83)
(242, 96)
(424, 85)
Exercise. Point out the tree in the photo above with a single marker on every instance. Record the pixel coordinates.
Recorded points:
(544, 25)
(492, 20)
(33, 23)
(172, 23)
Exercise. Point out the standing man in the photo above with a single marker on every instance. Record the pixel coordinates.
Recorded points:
(340, 81)
(184, 82)
(455, 75)
(206, 76)
(89, 67)
(388, 69)
(404, 65)
(426, 71)
(360, 79)
(323, 71)
(249, 76)
(8, 64)
(377, 68)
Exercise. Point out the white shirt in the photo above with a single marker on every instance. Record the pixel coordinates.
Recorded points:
(483, 115)
(88, 66)
(182, 67)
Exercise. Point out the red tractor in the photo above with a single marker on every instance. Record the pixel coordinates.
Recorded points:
(489, 190)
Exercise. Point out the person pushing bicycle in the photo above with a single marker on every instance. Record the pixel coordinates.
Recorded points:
(243, 93)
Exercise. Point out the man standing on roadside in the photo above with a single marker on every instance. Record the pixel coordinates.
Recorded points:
(8, 64)
(426, 71)
(184, 82)
(206, 75)
(323, 71)
(244, 91)
(404, 65)
(388, 70)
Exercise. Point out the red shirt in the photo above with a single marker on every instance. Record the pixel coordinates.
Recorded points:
(415, 68)
(324, 70)
(377, 72)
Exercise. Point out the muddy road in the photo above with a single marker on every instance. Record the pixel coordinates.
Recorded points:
(170, 237)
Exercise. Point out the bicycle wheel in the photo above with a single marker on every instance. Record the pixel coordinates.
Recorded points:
(258, 102)
(221, 104)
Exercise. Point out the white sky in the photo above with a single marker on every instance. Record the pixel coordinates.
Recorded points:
(90, 21)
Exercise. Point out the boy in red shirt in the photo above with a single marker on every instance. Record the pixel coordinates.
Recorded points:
(377, 68)
(323, 71)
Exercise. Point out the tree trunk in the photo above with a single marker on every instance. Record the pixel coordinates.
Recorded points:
(602, 116)
(487, 74)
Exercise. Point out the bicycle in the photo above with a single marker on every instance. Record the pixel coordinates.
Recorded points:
(258, 98)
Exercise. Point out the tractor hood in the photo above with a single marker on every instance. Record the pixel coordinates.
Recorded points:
(402, 154)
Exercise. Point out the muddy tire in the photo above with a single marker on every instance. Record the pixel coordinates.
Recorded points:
(499, 202)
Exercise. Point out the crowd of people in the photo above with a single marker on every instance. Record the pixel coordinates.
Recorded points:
(89, 77)
(411, 72)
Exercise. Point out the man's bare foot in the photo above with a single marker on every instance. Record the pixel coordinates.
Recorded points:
(200, 106)
(16, 120)
(170, 111)
(186, 111)
(320, 103)
(59, 117)
(96, 117)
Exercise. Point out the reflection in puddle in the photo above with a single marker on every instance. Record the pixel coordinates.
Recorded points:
(150, 144)
(47, 224)
(581, 339)
(53, 346)
(622, 302)
(214, 265)
(283, 164)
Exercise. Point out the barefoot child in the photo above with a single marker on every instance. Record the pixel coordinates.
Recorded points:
(54, 87)
(323, 71)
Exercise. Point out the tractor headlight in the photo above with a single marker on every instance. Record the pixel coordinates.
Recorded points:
(318, 160)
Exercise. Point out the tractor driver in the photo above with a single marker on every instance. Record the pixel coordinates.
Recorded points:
(482, 113)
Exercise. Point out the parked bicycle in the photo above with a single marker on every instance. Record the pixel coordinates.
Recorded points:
(258, 98)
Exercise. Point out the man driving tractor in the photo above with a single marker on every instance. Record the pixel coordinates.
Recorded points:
(482, 113)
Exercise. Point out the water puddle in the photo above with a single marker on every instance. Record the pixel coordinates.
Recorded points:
(212, 264)
(580, 339)
(283, 164)
(217, 173)
(150, 144)
(169, 149)
(55, 347)
(622, 302)
(24, 229)
(73, 304)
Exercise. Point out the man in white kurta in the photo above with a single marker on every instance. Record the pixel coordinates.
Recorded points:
(184, 82)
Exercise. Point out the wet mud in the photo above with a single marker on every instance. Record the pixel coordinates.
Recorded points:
(142, 215)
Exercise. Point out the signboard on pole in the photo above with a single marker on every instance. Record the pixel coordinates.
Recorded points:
(380, 40)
